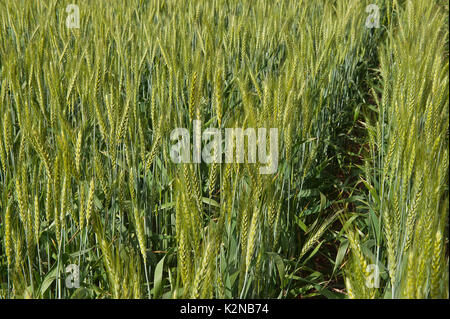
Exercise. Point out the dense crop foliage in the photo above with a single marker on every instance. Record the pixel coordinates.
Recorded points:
(87, 177)
(407, 171)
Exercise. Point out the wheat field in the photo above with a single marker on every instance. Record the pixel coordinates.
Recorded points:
(93, 205)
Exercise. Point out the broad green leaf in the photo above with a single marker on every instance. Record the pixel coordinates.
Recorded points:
(158, 278)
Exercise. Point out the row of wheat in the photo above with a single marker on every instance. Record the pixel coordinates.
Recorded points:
(406, 172)
(87, 179)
